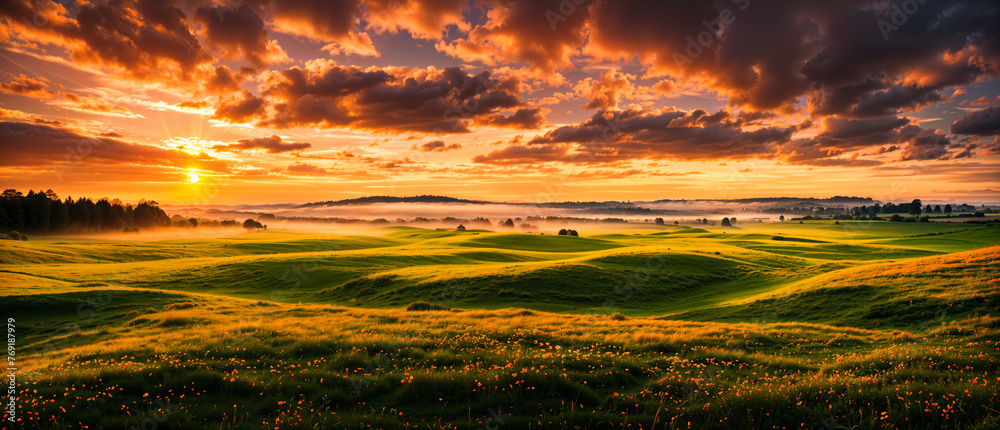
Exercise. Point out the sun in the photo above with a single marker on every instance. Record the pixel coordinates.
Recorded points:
(193, 178)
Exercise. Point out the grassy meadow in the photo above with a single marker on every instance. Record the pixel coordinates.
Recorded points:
(816, 325)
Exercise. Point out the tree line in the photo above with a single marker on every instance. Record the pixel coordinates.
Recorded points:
(43, 212)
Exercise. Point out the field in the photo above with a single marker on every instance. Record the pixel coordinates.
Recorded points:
(856, 325)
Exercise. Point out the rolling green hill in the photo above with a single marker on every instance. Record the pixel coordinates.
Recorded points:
(783, 323)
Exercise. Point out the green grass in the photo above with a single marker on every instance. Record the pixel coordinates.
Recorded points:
(863, 325)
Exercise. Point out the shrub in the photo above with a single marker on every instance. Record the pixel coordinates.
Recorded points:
(24, 237)
(425, 306)
(563, 232)
(175, 320)
(14, 235)
(618, 316)
(181, 305)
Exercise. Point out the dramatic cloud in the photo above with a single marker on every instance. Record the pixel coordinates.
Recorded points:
(305, 169)
(37, 145)
(522, 119)
(985, 122)
(843, 136)
(325, 95)
(767, 55)
(26, 86)
(438, 146)
(238, 33)
(425, 19)
(272, 144)
(605, 92)
(240, 110)
(145, 40)
(541, 33)
(634, 134)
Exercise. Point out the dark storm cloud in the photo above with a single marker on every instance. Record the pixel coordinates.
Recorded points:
(633, 134)
(524, 119)
(985, 122)
(326, 95)
(237, 32)
(241, 109)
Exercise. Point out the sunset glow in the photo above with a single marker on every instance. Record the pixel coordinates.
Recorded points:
(504, 100)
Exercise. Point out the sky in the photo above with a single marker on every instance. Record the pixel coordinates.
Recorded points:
(259, 101)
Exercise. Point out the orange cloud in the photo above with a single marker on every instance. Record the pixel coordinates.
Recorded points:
(437, 146)
(325, 95)
(272, 144)
(606, 91)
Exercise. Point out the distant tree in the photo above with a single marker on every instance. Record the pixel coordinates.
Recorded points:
(14, 235)
(58, 216)
(251, 224)
(896, 218)
(915, 206)
(928, 209)
(480, 221)
(37, 209)
(193, 222)
(509, 223)
(947, 209)
(563, 232)
(677, 223)
(732, 220)
(704, 221)
(781, 218)
(978, 214)
(726, 222)
(659, 221)
(228, 223)
(937, 209)
(111, 220)
(573, 233)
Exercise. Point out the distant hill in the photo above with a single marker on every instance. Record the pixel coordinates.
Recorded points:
(388, 199)
(837, 200)
(832, 200)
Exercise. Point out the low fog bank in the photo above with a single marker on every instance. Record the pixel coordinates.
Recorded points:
(365, 218)
(398, 213)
